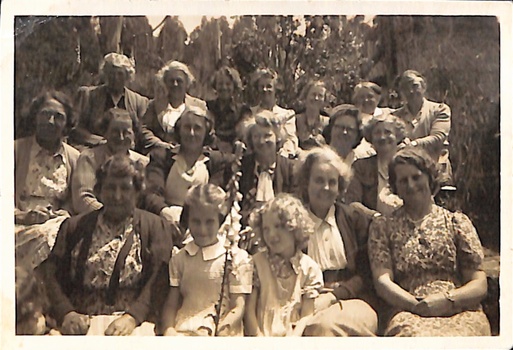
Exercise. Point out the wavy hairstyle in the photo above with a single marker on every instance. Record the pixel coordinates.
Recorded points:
(326, 155)
(206, 194)
(175, 65)
(114, 59)
(293, 217)
(38, 102)
(419, 158)
(199, 112)
(339, 111)
(267, 119)
(229, 72)
(365, 85)
(398, 123)
(409, 75)
(120, 165)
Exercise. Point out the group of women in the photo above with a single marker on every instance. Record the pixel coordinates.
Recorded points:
(341, 234)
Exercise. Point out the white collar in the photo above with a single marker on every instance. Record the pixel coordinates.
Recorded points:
(209, 253)
(180, 108)
(329, 219)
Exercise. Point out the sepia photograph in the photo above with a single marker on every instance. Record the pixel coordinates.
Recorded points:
(256, 172)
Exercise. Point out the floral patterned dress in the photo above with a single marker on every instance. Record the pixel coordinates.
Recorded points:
(425, 258)
(106, 244)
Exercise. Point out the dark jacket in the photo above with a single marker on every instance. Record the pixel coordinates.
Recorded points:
(157, 171)
(283, 179)
(356, 281)
(363, 187)
(226, 119)
(156, 244)
(92, 102)
(152, 133)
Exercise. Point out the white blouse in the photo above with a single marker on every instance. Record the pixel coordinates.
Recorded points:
(325, 246)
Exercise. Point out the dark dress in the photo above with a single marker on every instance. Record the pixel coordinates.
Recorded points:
(142, 288)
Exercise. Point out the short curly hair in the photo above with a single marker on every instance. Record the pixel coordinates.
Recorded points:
(114, 59)
(292, 214)
(398, 123)
(409, 75)
(263, 73)
(267, 119)
(323, 154)
(339, 111)
(40, 100)
(365, 85)
(120, 165)
(200, 112)
(419, 158)
(175, 65)
(229, 72)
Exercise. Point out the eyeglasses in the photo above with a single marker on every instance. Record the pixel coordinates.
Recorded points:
(48, 114)
(347, 129)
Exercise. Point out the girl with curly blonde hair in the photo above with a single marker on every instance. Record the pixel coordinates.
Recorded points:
(285, 281)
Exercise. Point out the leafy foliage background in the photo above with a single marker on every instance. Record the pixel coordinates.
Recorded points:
(459, 55)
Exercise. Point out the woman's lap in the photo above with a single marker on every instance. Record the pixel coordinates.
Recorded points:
(467, 323)
(352, 317)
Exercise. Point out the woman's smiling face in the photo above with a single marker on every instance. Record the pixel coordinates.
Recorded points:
(193, 130)
(412, 184)
(383, 137)
(323, 185)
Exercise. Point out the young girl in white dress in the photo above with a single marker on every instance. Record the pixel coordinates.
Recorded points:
(285, 281)
(197, 271)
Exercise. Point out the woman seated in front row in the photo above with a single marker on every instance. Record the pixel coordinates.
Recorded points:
(338, 245)
(426, 261)
(120, 135)
(110, 260)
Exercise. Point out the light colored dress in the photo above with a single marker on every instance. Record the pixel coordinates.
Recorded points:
(198, 273)
(280, 294)
(425, 258)
(42, 179)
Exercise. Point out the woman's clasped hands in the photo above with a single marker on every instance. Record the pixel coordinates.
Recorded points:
(435, 305)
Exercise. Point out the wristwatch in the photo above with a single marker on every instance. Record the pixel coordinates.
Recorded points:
(414, 143)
